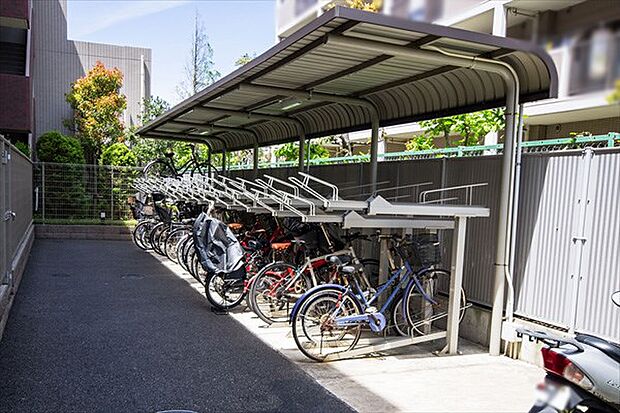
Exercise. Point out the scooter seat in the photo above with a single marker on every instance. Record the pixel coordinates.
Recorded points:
(611, 349)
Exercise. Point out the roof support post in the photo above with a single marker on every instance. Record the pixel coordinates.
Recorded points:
(224, 153)
(511, 82)
(374, 154)
(209, 172)
(302, 148)
(255, 160)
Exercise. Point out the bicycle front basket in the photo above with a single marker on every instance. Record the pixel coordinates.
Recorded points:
(426, 249)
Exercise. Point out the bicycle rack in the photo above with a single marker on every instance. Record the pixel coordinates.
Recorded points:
(312, 199)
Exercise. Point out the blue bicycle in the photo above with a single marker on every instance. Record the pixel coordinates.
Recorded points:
(330, 318)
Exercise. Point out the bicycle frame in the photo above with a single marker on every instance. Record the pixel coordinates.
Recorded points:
(407, 277)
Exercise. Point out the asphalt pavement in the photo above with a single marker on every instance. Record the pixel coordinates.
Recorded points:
(100, 326)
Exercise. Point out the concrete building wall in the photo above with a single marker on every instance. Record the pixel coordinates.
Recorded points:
(60, 61)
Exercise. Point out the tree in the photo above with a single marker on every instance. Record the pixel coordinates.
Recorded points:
(245, 59)
(56, 147)
(97, 106)
(615, 96)
(23, 148)
(420, 143)
(290, 151)
(153, 107)
(199, 68)
(118, 154)
(366, 5)
(472, 127)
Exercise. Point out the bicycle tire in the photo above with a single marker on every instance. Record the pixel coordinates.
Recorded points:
(311, 304)
(261, 281)
(214, 286)
(159, 168)
(154, 233)
(138, 234)
(180, 249)
(418, 311)
(172, 239)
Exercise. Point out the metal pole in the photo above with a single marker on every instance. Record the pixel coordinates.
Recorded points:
(209, 163)
(255, 161)
(503, 226)
(302, 144)
(308, 159)
(374, 151)
(514, 215)
(223, 161)
(456, 284)
(43, 190)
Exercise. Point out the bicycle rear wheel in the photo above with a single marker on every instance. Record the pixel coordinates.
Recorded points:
(315, 330)
(425, 317)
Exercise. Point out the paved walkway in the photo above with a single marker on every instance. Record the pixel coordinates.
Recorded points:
(101, 326)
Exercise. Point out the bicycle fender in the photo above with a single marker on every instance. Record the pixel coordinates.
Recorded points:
(300, 300)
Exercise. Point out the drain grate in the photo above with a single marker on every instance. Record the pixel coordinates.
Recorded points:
(61, 274)
(133, 275)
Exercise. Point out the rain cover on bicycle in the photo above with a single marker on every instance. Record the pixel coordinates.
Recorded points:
(216, 245)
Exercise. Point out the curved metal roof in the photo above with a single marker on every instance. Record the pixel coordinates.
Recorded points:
(320, 79)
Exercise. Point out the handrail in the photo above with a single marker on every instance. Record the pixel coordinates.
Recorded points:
(611, 138)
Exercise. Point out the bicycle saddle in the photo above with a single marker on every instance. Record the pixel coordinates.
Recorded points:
(280, 246)
(610, 349)
(347, 269)
(339, 259)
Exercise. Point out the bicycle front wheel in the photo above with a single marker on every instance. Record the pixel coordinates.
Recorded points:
(316, 330)
(273, 295)
(224, 293)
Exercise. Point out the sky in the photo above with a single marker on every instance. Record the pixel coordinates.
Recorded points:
(234, 27)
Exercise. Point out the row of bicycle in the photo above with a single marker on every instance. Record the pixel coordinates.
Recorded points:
(309, 275)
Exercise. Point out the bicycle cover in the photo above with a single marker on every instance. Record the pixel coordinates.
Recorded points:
(216, 245)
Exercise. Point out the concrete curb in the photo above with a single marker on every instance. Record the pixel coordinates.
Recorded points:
(98, 232)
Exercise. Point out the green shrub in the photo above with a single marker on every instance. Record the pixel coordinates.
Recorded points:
(56, 147)
(23, 148)
(118, 154)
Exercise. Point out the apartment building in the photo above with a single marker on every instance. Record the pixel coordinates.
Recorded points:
(16, 109)
(582, 37)
(58, 61)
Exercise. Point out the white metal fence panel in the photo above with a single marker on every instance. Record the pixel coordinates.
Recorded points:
(595, 312)
(15, 205)
(545, 220)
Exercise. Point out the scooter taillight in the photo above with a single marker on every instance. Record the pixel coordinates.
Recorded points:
(558, 364)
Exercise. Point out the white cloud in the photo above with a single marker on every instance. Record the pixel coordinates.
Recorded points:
(110, 13)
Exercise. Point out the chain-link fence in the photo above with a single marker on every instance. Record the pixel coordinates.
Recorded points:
(82, 193)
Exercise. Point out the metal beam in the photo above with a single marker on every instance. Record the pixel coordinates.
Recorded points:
(374, 116)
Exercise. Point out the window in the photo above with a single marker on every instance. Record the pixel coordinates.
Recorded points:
(13, 47)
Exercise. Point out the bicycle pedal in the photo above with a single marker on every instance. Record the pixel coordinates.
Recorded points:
(370, 310)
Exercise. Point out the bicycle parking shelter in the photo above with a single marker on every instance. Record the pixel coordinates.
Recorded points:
(350, 70)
